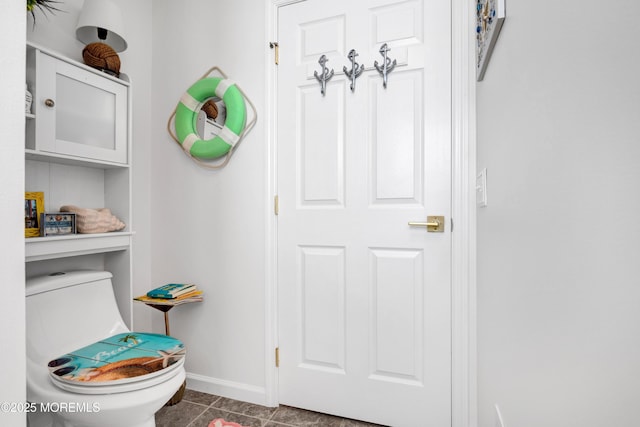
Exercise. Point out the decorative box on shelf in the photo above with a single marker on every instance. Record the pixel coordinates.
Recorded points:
(57, 224)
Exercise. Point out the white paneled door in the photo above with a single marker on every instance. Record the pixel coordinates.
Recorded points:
(364, 302)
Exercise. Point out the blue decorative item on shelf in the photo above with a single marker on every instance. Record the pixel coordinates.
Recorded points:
(171, 290)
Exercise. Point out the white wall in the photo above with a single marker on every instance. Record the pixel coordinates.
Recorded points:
(209, 227)
(57, 32)
(12, 64)
(559, 243)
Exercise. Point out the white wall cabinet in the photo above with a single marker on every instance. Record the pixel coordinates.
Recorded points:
(79, 113)
(78, 152)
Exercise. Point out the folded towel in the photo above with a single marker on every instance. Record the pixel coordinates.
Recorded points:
(94, 220)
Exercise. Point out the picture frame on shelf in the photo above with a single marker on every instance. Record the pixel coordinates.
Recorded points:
(33, 209)
(57, 224)
(490, 15)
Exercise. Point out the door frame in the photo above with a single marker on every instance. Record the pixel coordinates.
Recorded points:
(463, 256)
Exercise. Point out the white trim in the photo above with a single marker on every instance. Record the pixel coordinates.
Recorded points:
(231, 389)
(271, 285)
(463, 364)
(463, 283)
(271, 282)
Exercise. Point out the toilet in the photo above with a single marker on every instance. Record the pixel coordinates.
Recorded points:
(70, 313)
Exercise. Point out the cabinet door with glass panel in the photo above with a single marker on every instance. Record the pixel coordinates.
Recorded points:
(79, 112)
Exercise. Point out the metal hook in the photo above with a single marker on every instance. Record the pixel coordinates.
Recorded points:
(325, 76)
(387, 67)
(355, 71)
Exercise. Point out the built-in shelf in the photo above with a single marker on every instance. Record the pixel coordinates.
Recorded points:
(50, 247)
(85, 163)
(64, 159)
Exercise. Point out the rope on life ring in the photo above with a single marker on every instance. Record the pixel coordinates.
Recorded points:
(235, 125)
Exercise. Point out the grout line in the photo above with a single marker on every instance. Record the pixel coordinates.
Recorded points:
(237, 413)
(281, 424)
(196, 403)
(273, 413)
(263, 420)
(197, 416)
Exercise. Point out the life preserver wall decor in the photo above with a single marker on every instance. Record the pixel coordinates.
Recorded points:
(235, 122)
(187, 113)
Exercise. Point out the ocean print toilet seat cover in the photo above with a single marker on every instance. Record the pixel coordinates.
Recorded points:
(119, 359)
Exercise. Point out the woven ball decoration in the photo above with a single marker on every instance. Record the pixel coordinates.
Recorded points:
(101, 56)
(211, 109)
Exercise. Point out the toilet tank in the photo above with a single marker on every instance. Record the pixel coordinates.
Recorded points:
(69, 310)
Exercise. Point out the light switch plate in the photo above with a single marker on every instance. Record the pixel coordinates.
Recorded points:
(481, 188)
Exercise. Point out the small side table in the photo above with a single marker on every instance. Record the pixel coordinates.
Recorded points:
(164, 308)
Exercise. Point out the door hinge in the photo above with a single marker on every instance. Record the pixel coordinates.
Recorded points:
(451, 219)
(276, 205)
(277, 357)
(276, 47)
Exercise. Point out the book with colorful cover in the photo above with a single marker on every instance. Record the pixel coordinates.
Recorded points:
(193, 296)
(171, 290)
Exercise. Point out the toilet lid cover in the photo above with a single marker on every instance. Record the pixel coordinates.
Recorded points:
(122, 358)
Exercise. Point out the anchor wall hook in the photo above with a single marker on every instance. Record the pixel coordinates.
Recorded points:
(355, 71)
(387, 67)
(324, 76)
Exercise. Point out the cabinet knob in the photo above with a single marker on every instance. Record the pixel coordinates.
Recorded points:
(49, 102)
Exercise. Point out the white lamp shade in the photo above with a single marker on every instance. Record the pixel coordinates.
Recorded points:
(101, 14)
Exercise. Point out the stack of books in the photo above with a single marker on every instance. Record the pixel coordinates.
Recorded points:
(172, 294)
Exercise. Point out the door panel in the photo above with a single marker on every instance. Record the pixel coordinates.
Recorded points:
(321, 125)
(323, 331)
(396, 139)
(397, 311)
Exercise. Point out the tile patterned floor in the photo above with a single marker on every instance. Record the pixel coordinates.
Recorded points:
(198, 409)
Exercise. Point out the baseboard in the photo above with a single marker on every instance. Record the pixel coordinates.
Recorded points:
(230, 389)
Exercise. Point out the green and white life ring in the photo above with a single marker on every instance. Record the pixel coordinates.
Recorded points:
(187, 113)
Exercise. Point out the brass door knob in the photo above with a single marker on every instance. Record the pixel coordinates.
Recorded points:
(434, 224)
